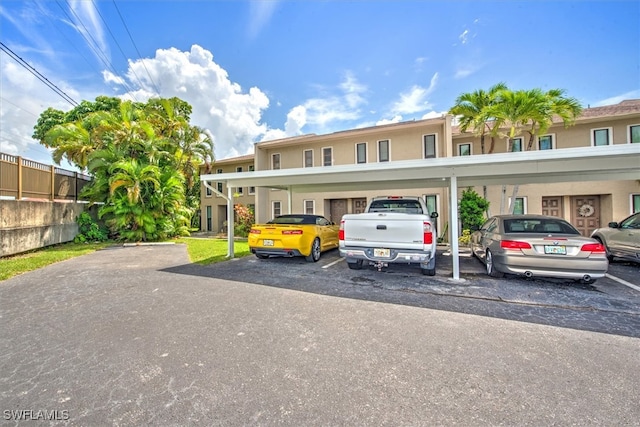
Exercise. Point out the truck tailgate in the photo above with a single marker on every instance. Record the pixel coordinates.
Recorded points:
(391, 230)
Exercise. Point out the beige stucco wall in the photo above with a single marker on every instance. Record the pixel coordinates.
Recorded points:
(27, 225)
(406, 142)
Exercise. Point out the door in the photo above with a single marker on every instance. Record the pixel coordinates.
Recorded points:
(359, 205)
(337, 208)
(552, 206)
(585, 213)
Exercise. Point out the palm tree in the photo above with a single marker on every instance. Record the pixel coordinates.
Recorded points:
(475, 112)
(532, 112)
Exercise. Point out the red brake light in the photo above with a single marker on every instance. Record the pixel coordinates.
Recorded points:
(593, 247)
(341, 231)
(254, 231)
(514, 244)
(427, 236)
(291, 231)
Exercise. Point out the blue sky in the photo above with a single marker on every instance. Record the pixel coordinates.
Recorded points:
(265, 69)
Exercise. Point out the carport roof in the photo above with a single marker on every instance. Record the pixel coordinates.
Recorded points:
(607, 163)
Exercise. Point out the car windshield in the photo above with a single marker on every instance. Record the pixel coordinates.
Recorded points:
(293, 219)
(631, 222)
(538, 225)
(401, 206)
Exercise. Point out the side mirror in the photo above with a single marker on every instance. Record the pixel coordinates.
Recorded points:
(474, 228)
(613, 225)
(434, 215)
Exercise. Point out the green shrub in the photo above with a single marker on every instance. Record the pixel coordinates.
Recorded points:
(89, 230)
(472, 209)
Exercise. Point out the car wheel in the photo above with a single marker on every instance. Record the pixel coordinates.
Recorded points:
(355, 265)
(491, 271)
(262, 256)
(430, 269)
(314, 256)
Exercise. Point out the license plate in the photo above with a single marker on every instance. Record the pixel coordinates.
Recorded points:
(556, 250)
(385, 253)
(266, 242)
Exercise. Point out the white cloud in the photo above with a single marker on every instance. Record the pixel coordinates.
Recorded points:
(109, 77)
(233, 116)
(634, 94)
(335, 107)
(24, 98)
(415, 100)
(87, 22)
(260, 13)
(464, 37)
(394, 119)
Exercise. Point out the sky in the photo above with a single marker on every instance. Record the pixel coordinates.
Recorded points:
(266, 69)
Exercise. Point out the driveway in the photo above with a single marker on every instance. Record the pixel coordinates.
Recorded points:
(138, 336)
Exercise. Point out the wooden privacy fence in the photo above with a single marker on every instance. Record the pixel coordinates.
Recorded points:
(25, 179)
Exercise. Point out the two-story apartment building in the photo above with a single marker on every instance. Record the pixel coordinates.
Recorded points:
(587, 205)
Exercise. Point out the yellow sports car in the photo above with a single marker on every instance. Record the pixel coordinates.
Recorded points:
(294, 235)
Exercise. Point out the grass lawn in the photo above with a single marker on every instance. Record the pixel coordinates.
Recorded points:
(207, 251)
(17, 264)
(201, 251)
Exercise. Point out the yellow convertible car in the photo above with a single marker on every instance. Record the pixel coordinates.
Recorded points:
(294, 235)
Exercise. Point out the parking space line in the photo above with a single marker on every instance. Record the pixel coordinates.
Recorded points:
(622, 281)
(333, 263)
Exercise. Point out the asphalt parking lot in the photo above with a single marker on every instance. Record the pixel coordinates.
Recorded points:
(131, 336)
(607, 305)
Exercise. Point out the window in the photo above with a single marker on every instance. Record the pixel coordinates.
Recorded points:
(383, 151)
(208, 191)
(308, 158)
(239, 169)
(239, 191)
(545, 142)
(219, 184)
(251, 168)
(634, 134)
(275, 161)
(276, 208)
(520, 207)
(327, 156)
(429, 146)
(600, 137)
(209, 218)
(309, 207)
(635, 203)
(252, 190)
(515, 144)
(361, 152)
(431, 200)
(464, 149)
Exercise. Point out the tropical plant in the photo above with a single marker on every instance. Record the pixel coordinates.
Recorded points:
(472, 209)
(144, 160)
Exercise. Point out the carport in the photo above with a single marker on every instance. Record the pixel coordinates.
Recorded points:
(606, 163)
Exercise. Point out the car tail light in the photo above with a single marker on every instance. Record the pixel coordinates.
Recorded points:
(341, 231)
(514, 244)
(291, 231)
(593, 247)
(254, 231)
(427, 234)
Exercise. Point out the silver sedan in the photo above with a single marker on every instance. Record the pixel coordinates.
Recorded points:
(621, 239)
(538, 245)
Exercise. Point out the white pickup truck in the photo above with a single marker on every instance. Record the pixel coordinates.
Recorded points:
(392, 229)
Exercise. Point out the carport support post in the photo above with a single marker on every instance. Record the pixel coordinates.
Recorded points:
(455, 255)
(289, 199)
(230, 222)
